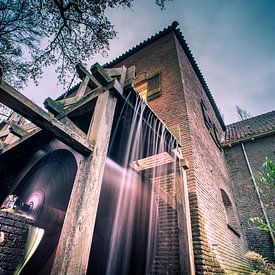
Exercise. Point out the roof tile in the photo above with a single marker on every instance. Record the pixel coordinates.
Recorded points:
(250, 127)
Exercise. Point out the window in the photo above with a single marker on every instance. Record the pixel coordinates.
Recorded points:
(231, 217)
(149, 88)
(210, 125)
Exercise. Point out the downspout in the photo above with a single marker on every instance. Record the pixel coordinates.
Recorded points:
(258, 194)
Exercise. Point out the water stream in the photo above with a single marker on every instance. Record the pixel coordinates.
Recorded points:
(126, 231)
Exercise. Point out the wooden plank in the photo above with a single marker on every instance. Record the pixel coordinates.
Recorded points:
(25, 107)
(83, 73)
(123, 75)
(17, 130)
(9, 147)
(53, 106)
(114, 87)
(4, 133)
(152, 161)
(73, 251)
(113, 72)
(101, 76)
(67, 101)
(184, 224)
(130, 76)
(83, 101)
(82, 88)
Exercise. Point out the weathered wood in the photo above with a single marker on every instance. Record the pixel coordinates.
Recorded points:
(4, 133)
(184, 224)
(130, 76)
(9, 147)
(74, 245)
(152, 161)
(67, 101)
(119, 73)
(83, 73)
(82, 88)
(101, 76)
(114, 87)
(66, 121)
(25, 107)
(113, 72)
(17, 130)
(123, 75)
(83, 101)
(53, 106)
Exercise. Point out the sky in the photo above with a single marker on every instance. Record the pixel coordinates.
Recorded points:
(233, 42)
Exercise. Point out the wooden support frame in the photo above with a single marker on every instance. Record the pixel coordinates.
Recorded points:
(25, 107)
(73, 251)
(186, 253)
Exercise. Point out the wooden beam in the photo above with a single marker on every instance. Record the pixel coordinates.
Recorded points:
(53, 106)
(123, 75)
(114, 87)
(187, 264)
(82, 88)
(17, 130)
(113, 72)
(73, 250)
(83, 73)
(28, 109)
(83, 101)
(101, 76)
(9, 147)
(152, 161)
(67, 101)
(130, 76)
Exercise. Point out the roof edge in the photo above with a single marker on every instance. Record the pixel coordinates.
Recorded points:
(247, 139)
(142, 44)
(184, 45)
(250, 118)
(199, 74)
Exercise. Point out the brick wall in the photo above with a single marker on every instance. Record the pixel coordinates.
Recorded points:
(12, 249)
(217, 248)
(166, 260)
(247, 200)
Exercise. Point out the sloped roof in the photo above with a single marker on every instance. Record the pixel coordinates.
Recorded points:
(184, 45)
(249, 128)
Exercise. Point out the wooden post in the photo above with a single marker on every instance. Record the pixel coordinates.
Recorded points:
(72, 256)
(184, 221)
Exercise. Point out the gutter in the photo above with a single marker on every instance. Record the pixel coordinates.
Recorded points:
(258, 194)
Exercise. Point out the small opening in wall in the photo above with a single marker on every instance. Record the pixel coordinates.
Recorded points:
(231, 217)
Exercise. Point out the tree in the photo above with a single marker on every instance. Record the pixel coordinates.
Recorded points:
(242, 113)
(38, 33)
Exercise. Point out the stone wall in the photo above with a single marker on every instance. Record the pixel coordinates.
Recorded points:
(217, 247)
(247, 200)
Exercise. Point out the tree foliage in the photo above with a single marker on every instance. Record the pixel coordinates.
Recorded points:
(265, 177)
(38, 33)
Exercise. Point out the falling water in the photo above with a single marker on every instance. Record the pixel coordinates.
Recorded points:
(126, 228)
(136, 182)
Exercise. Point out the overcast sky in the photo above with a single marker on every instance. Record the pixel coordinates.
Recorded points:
(233, 42)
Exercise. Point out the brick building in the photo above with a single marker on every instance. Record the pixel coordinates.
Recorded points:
(220, 160)
(170, 80)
